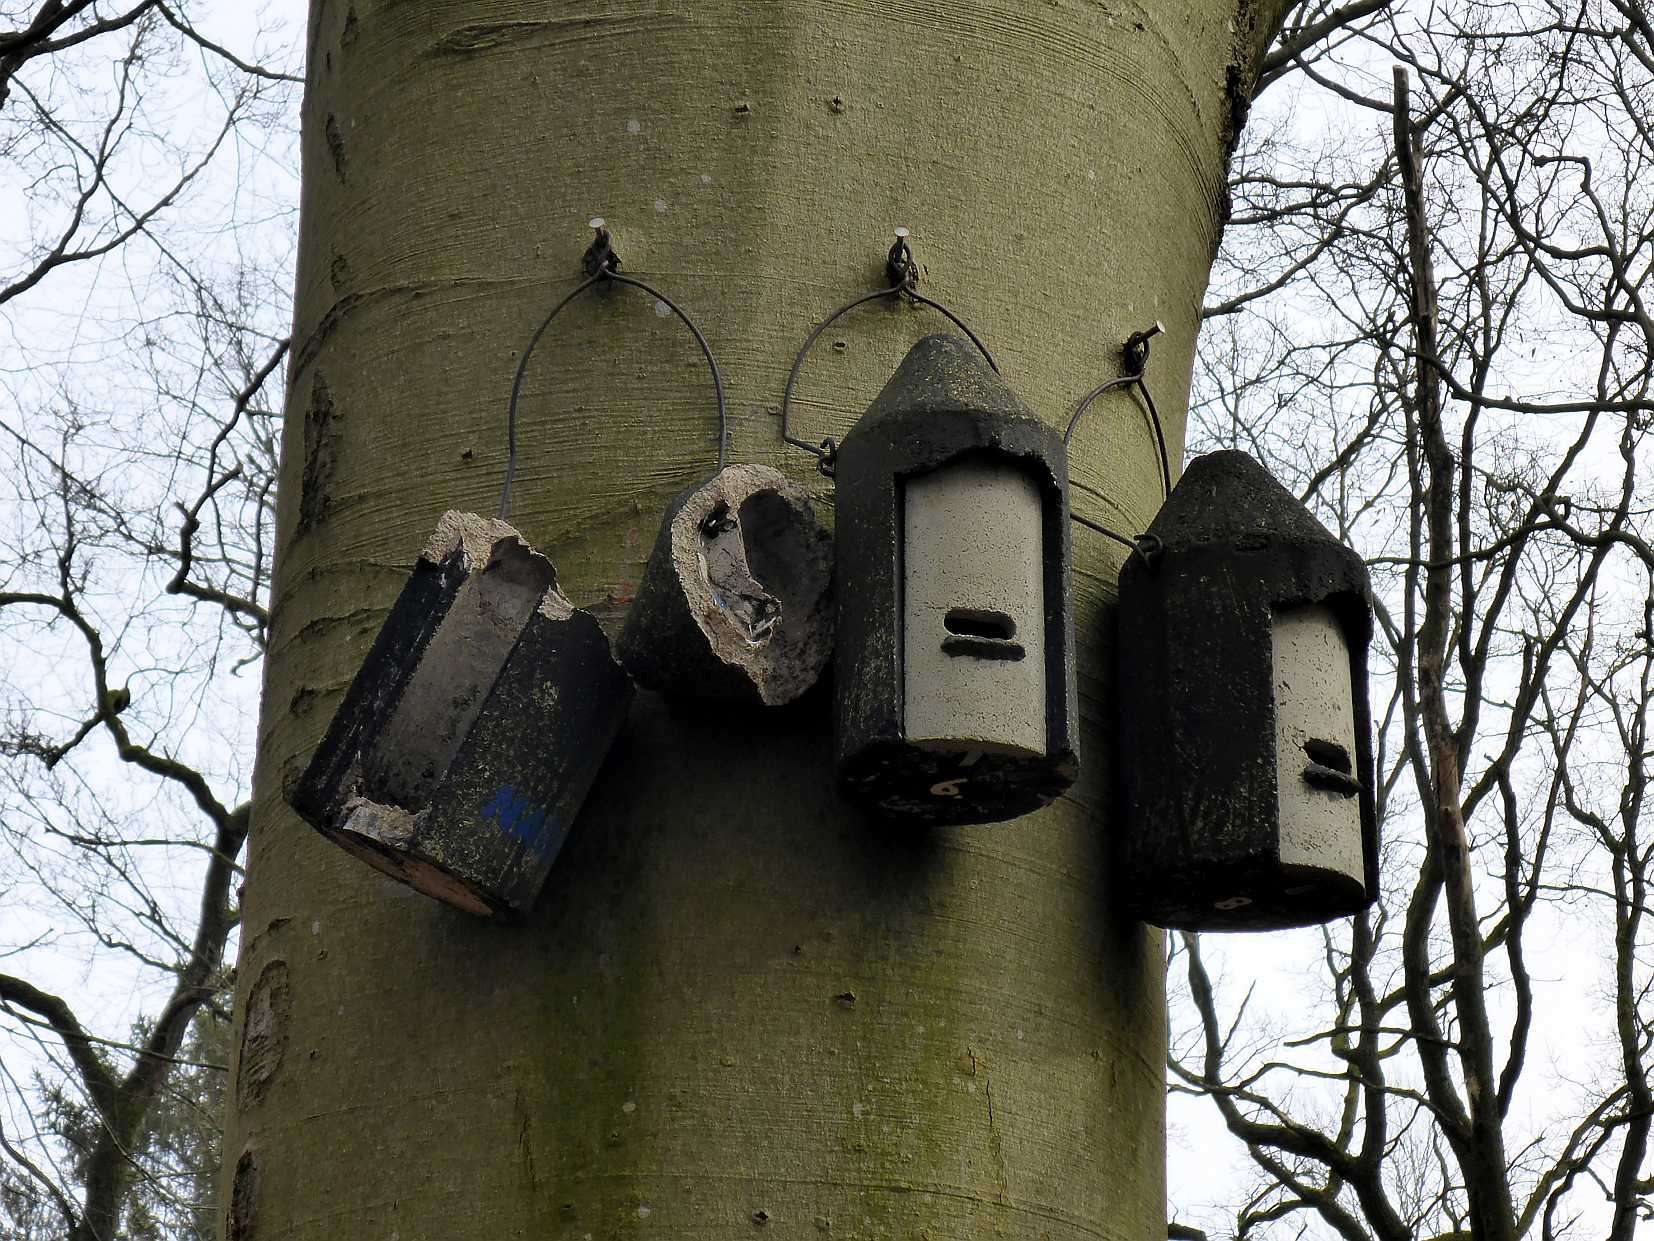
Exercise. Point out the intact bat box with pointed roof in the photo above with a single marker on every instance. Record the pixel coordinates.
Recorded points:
(954, 668)
(1244, 739)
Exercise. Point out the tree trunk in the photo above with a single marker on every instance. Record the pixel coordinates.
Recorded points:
(737, 1003)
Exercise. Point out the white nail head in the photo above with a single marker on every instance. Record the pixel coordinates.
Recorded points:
(597, 221)
(902, 231)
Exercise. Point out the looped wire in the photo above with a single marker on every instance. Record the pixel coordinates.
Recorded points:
(900, 265)
(1135, 359)
(602, 265)
(1135, 356)
(902, 270)
(1146, 547)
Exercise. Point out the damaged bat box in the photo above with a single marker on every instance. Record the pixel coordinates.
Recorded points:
(469, 739)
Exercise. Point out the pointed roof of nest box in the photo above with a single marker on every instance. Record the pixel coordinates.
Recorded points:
(1227, 498)
(944, 373)
(1228, 510)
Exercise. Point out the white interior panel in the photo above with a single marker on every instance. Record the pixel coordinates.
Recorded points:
(1315, 722)
(973, 609)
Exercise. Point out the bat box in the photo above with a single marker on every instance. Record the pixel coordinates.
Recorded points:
(1245, 744)
(954, 670)
(469, 739)
(736, 602)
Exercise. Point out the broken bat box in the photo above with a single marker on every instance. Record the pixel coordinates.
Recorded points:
(467, 742)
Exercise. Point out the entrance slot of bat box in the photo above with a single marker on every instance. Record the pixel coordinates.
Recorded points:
(973, 609)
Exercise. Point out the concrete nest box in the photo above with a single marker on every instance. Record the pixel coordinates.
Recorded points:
(1245, 742)
(954, 672)
(468, 740)
(736, 602)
